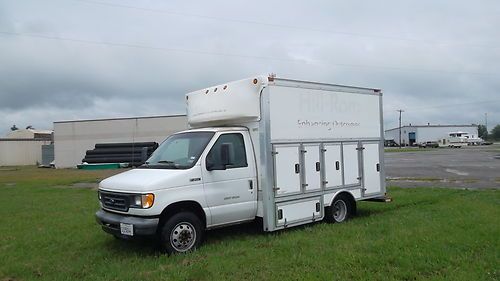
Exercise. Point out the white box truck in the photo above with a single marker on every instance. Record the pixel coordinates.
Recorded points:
(288, 152)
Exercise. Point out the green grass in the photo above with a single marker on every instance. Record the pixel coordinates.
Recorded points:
(49, 233)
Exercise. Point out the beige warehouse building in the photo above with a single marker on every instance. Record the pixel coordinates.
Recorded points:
(23, 147)
(73, 138)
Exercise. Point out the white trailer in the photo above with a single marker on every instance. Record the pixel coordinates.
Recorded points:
(459, 139)
(290, 152)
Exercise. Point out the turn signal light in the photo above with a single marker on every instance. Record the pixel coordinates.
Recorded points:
(147, 200)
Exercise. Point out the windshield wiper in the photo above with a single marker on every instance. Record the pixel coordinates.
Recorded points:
(165, 162)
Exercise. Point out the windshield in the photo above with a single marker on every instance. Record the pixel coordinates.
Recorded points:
(179, 151)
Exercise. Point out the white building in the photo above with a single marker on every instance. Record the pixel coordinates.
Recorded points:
(73, 138)
(413, 134)
(23, 147)
(29, 134)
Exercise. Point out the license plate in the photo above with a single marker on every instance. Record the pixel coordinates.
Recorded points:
(127, 229)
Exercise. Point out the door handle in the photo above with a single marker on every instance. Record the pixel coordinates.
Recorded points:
(250, 183)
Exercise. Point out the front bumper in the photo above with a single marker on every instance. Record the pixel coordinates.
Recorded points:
(110, 223)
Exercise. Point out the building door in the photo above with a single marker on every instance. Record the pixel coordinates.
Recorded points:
(412, 138)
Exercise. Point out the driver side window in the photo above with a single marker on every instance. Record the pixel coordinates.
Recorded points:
(236, 146)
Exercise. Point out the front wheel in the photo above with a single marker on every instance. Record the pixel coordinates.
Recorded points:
(183, 232)
(342, 209)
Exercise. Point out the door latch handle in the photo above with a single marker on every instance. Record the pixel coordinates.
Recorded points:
(250, 183)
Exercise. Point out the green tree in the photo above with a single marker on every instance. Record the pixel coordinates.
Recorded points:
(482, 131)
(495, 133)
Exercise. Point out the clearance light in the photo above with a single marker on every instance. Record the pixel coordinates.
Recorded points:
(215, 90)
(206, 92)
(225, 87)
(255, 81)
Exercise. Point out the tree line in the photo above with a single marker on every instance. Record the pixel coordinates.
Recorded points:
(494, 134)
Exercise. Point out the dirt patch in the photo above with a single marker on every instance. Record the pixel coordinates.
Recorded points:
(8, 169)
(90, 185)
(82, 185)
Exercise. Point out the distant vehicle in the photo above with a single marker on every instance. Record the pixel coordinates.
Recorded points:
(471, 140)
(433, 144)
(459, 139)
(486, 143)
(390, 143)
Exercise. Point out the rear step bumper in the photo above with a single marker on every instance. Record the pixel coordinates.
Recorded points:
(383, 199)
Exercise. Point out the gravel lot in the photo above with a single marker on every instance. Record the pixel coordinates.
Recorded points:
(466, 167)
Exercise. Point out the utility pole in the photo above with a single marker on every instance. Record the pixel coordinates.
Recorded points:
(400, 111)
(486, 121)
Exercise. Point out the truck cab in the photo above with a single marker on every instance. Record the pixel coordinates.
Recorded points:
(172, 179)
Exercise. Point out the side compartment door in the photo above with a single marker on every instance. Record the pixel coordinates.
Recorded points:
(351, 163)
(286, 170)
(300, 211)
(332, 165)
(371, 168)
(230, 191)
(312, 168)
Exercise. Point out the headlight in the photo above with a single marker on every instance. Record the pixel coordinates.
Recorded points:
(143, 201)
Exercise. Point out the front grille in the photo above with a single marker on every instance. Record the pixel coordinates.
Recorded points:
(115, 201)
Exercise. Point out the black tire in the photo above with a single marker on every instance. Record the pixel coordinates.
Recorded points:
(342, 209)
(181, 233)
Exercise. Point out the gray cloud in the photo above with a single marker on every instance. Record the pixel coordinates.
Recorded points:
(436, 60)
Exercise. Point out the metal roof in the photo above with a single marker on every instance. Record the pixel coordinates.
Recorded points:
(120, 118)
(431, 126)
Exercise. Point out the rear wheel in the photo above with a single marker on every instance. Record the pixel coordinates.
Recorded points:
(342, 209)
(181, 233)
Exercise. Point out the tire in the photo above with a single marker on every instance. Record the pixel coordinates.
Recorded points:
(341, 210)
(181, 233)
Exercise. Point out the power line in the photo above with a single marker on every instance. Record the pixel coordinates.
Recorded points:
(283, 26)
(137, 46)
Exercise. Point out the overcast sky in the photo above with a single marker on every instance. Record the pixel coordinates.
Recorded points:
(79, 59)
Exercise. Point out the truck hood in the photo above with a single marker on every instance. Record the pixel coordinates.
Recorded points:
(145, 180)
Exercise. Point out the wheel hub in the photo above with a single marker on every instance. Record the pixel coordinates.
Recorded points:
(183, 237)
(340, 211)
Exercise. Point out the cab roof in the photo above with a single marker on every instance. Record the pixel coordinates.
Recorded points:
(215, 129)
